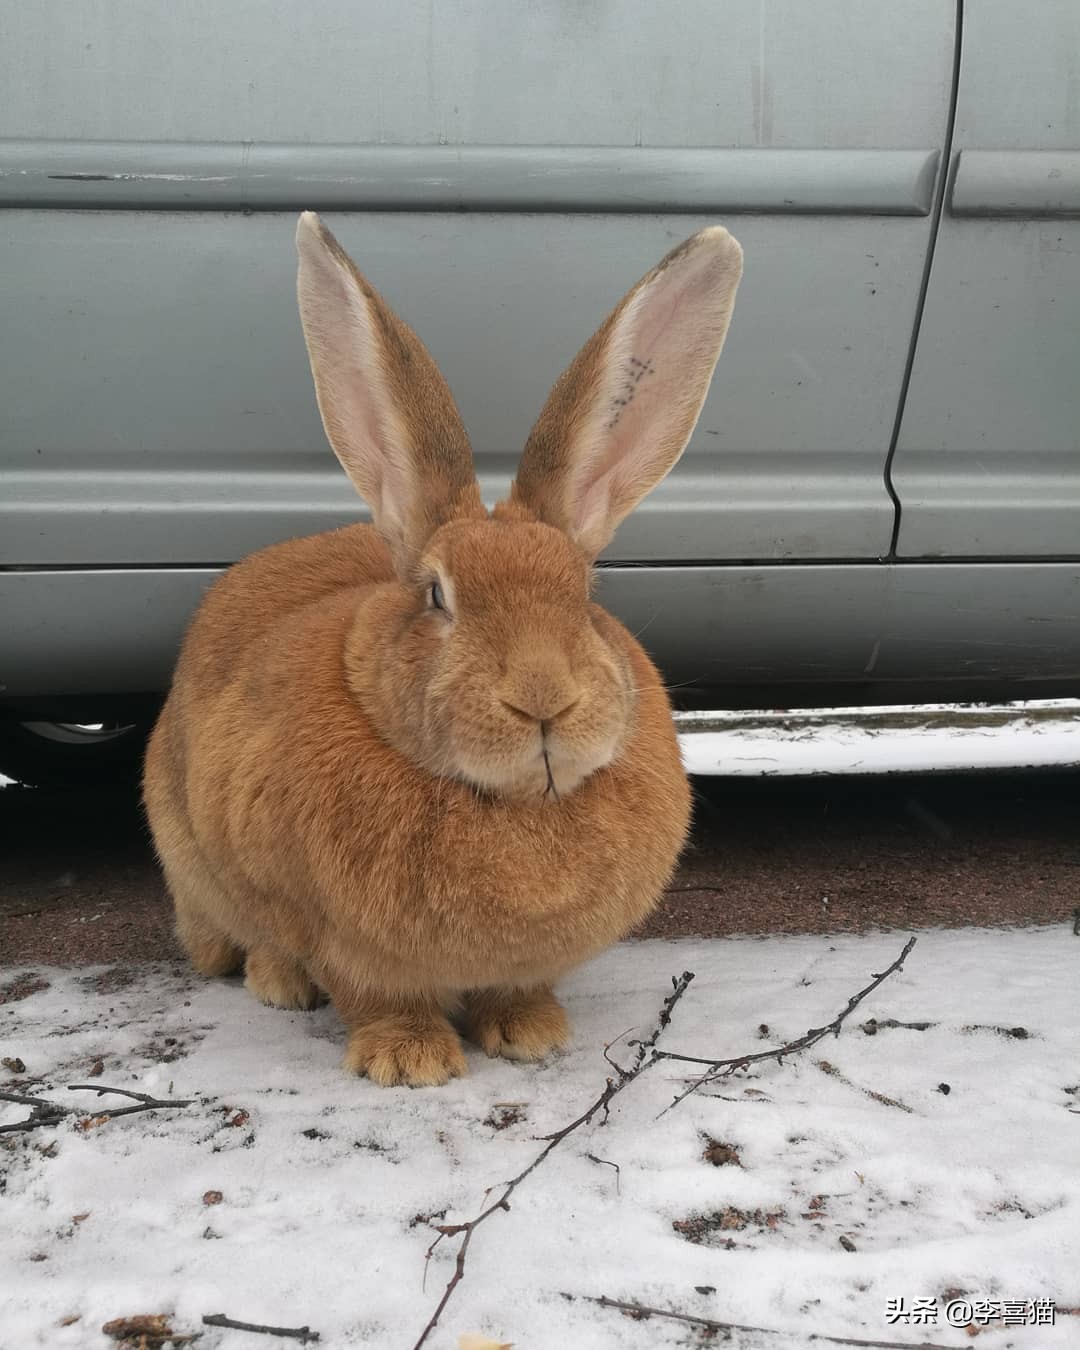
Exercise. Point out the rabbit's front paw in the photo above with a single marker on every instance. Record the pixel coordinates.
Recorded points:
(399, 1049)
(516, 1023)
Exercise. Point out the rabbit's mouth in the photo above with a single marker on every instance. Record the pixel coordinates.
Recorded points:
(567, 767)
(551, 789)
(545, 776)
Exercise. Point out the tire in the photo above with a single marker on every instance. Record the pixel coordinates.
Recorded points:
(73, 755)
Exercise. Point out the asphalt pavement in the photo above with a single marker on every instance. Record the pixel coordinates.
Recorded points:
(79, 883)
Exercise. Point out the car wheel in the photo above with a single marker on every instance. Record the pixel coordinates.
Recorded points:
(74, 754)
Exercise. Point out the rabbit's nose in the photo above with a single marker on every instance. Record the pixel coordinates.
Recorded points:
(543, 713)
(539, 697)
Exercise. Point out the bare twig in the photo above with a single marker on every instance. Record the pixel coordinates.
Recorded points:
(642, 1311)
(122, 1092)
(51, 1113)
(647, 1056)
(678, 988)
(116, 1112)
(551, 1142)
(723, 1068)
(607, 1048)
(21, 1099)
(872, 1026)
(606, 1162)
(43, 1112)
(834, 1072)
(301, 1334)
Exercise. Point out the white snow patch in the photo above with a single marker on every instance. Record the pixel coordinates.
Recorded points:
(326, 1183)
(1034, 734)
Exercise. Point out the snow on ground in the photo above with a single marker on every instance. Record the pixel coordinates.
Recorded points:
(329, 1185)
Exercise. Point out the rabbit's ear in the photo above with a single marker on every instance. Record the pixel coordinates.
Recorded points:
(386, 408)
(618, 419)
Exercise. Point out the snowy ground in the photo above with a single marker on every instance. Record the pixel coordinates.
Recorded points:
(329, 1186)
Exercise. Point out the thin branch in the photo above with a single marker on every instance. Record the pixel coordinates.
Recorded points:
(551, 1142)
(872, 1026)
(834, 1072)
(643, 1311)
(21, 1099)
(606, 1162)
(614, 1063)
(723, 1068)
(117, 1111)
(647, 1056)
(301, 1334)
(42, 1112)
(677, 991)
(122, 1092)
(45, 1112)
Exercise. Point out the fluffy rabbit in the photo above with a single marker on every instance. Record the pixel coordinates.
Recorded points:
(412, 763)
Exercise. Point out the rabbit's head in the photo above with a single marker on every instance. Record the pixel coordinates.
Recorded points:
(488, 661)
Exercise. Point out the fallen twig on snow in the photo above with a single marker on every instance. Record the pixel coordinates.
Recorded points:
(647, 1056)
(551, 1142)
(662, 1021)
(834, 1072)
(642, 1312)
(723, 1068)
(872, 1026)
(146, 1103)
(45, 1112)
(606, 1162)
(301, 1334)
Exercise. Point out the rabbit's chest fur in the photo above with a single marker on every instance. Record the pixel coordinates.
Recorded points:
(346, 853)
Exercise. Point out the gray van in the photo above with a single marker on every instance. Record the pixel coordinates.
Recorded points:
(881, 501)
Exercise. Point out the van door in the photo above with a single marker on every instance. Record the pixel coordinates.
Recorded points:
(503, 173)
(988, 459)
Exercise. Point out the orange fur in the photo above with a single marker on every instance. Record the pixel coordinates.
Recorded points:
(415, 810)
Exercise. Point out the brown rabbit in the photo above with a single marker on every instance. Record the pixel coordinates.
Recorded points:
(412, 763)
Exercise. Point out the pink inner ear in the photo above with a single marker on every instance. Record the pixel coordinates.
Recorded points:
(357, 412)
(619, 450)
(593, 506)
(655, 374)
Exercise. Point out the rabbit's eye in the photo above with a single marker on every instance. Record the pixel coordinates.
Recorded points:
(437, 601)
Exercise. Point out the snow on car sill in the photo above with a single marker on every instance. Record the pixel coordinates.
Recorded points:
(901, 738)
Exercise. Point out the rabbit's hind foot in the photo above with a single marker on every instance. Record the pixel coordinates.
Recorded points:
(211, 952)
(280, 980)
(523, 1024)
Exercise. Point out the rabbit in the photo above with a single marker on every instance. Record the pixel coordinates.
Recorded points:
(412, 765)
